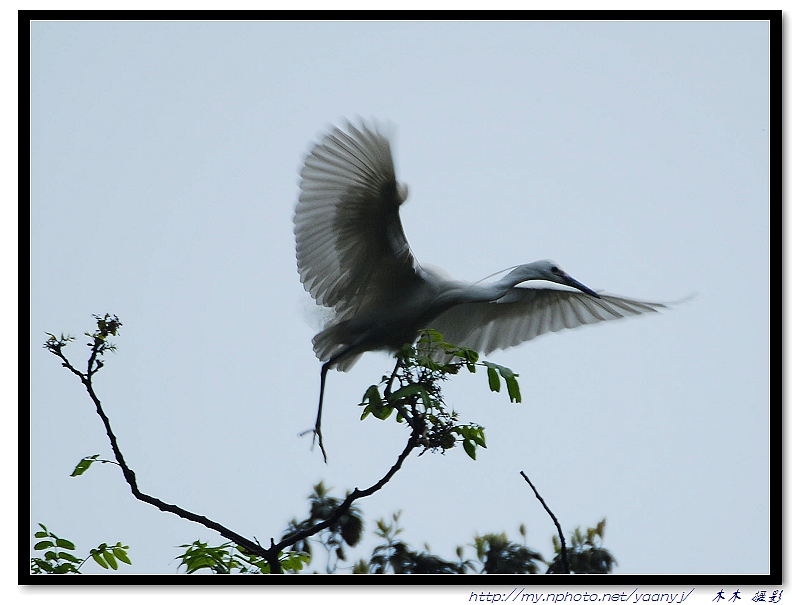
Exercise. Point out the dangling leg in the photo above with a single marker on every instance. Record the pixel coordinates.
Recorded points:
(317, 430)
(318, 425)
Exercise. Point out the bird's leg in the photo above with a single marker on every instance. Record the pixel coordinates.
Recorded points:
(318, 425)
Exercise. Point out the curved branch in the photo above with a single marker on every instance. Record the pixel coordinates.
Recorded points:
(413, 441)
(130, 476)
(271, 554)
(564, 554)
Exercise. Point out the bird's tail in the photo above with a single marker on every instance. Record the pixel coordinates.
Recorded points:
(329, 346)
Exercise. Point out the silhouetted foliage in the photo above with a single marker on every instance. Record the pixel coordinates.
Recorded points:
(346, 531)
(498, 554)
(586, 555)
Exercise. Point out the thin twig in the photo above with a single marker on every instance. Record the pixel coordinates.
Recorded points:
(564, 555)
(388, 388)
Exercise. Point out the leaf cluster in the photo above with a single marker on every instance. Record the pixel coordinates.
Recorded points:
(347, 530)
(230, 558)
(396, 556)
(498, 554)
(106, 556)
(495, 552)
(418, 401)
(586, 554)
(56, 559)
(108, 325)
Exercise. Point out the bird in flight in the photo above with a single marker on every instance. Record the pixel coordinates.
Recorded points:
(353, 258)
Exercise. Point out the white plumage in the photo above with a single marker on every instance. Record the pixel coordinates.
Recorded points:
(353, 257)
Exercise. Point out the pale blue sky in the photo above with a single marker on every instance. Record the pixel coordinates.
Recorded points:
(164, 169)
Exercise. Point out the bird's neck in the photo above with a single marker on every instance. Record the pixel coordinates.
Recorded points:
(492, 291)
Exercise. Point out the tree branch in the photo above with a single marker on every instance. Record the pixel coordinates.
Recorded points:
(130, 476)
(413, 441)
(564, 555)
(271, 554)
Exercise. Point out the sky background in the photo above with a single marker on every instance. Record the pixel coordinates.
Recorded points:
(164, 172)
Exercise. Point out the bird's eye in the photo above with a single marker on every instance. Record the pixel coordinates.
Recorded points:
(555, 270)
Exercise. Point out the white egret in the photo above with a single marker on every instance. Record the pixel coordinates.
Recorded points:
(353, 258)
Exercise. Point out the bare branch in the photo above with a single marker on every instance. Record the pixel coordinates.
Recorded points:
(564, 555)
(127, 472)
(413, 441)
(272, 554)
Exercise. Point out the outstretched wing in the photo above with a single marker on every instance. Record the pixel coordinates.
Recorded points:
(350, 243)
(525, 313)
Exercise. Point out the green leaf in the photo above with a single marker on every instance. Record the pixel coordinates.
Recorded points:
(371, 401)
(41, 534)
(383, 413)
(511, 381)
(494, 379)
(469, 447)
(402, 392)
(511, 384)
(66, 568)
(46, 566)
(513, 389)
(62, 543)
(202, 562)
(122, 555)
(68, 557)
(81, 467)
(373, 395)
(99, 559)
(110, 559)
(43, 544)
(292, 564)
(84, 465)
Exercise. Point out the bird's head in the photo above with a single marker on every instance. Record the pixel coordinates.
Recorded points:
(550, 271)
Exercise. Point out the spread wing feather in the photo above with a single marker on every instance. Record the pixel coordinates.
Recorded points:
(351, 248)
(525, 313)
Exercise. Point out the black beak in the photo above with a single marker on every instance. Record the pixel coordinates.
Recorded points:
(570, 281)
